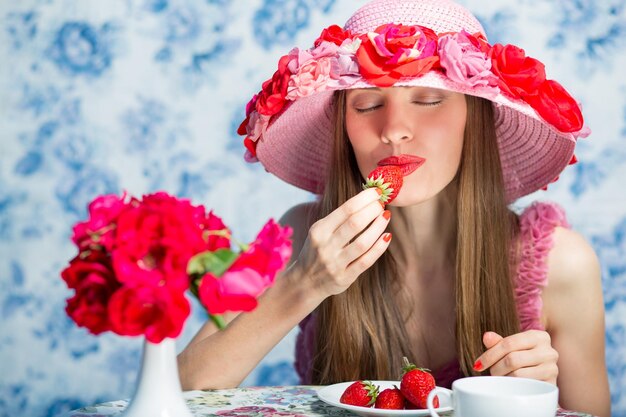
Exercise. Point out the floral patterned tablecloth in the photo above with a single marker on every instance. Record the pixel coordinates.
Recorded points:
(292, 401)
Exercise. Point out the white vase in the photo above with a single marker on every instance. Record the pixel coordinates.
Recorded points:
(158, 392)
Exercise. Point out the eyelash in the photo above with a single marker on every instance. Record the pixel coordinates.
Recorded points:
(426, 104)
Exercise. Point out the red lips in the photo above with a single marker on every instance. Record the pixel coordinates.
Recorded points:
(407, 163)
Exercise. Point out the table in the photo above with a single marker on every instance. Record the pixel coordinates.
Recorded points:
(287, 401)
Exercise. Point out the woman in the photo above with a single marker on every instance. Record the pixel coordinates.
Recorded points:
(465, 286)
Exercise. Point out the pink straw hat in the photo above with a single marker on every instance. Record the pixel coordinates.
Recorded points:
(430, 43)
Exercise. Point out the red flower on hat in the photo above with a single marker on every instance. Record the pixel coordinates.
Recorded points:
(334, 34)
(272, 97)
(394, 51)
(556, 106)
(519, 74)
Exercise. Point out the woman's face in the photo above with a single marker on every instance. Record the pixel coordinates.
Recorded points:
(414, 122)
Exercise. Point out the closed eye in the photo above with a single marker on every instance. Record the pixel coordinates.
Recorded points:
(428, 103)
(420, 103)
(367, 109)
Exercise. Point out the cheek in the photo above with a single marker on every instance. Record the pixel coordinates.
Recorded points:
(362, 138)
(453, 129)
(356, 130)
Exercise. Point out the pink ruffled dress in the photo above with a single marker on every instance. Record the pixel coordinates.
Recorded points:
(537, 224)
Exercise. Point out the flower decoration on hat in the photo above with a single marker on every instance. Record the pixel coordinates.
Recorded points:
(395, 54)
(395, 51)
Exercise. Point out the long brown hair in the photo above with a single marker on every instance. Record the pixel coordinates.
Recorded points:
(361, 333)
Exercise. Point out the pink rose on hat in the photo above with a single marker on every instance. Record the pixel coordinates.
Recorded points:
(463, 58)
(312, 70)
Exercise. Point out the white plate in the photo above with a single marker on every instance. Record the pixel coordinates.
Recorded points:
(331, 394)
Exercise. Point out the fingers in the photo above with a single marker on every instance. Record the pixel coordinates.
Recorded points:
(351, 207)
(528, 354)
(367, 239)
(490, 339)
(357, 222)
(367, 259)
(538, 363)
(345, 243)
(518, 341)
(547, 371)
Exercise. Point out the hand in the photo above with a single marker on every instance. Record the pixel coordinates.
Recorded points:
(344, 244)
(528, 354)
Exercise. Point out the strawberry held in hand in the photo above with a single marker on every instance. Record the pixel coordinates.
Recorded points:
(390, 399)
(388, 179)
(360, 393)
(416, 384)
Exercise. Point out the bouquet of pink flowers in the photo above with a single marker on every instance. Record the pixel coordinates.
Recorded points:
(137, 258)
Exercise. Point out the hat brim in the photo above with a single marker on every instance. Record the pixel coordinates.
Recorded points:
(297, 146)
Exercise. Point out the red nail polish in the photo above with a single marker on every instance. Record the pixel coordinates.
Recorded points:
(478, 365)
(382, 204)
(379, 191)
(387, 237)
(387, 214)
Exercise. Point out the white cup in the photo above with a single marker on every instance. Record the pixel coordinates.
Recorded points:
(499, 396)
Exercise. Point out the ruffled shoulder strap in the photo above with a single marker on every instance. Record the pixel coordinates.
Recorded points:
(537, 224)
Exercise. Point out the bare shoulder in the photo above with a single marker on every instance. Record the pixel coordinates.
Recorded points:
(299, 218)
(572, 262)
(573, 294)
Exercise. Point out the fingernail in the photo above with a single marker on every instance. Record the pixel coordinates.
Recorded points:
(379, 191)
(387, 214)
(478, 365)
(381, 203)
(387, 237)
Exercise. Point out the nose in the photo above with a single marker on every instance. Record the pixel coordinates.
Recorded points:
(396, 128)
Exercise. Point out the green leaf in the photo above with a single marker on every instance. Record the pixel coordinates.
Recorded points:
(214, 262)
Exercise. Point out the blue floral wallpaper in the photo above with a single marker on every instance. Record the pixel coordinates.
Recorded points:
(140, 95)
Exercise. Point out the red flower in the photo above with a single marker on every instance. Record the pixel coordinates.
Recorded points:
(250, 107)
(519, 75)
(99, 229)
(156, 311)
(250, 146)
(214, 223)
(217, 300)
(269, 253)
(242, 129)
(272, 96)
(252, 272)
(92, 278)
(556, 107)
(156, 239)
(334, 34)
(394, 51)
(135, 284)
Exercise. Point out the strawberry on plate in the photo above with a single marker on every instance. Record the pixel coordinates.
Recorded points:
(331, 395)
(416, 384)
(360, 393)
(390, 399)
(388, 179)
